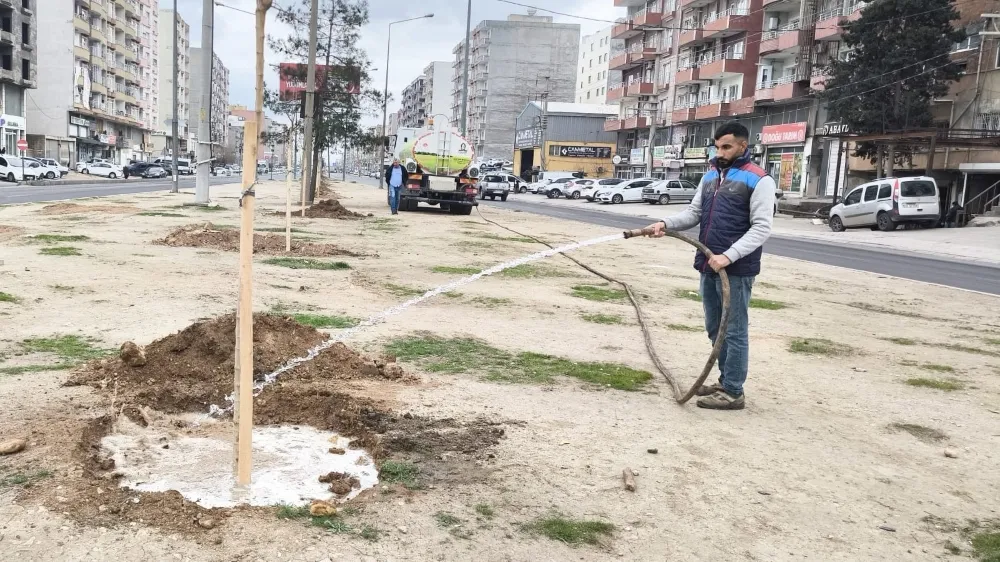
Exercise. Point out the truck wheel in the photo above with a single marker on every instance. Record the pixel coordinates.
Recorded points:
(503, 197)
(664, 199)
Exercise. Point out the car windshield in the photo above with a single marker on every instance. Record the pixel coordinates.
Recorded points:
(562, 180)
(13, 161)
(920, 188)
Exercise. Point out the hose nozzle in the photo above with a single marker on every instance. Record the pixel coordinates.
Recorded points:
(648, 231)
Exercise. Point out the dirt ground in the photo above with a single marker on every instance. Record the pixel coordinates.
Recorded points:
(835, 458)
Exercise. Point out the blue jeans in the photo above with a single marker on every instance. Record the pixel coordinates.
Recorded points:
(394, 197)
(734, 359)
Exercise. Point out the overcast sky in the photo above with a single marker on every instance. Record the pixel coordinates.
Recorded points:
(414, 44)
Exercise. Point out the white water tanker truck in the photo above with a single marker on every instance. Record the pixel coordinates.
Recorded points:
(440, 163)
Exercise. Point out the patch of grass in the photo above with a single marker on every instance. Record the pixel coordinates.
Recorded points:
(527, 271)
(485, 510)
(25, 479)
(397, 472)
(817, 346)
(65, 288)
(569, 531)
(302, 263)
(370, 533)
(69, 348)
(54, 238)
(161, 214)
(205, 208)
(286, 511)
(890, 311)
(599, 294)
(938, 384)
(603, 318)
(22, 369)
(332, 524)
(492, 302)
(7, 297)
(684, 328)
(491, 236)
(60, 251)
(923, 433)
(461, 355)
(687, 294)
(966, 349)
(403, 290)
(933, 367)
(445, 519)
(281, 229)
(453, 295)
(952, 548)
(986, 546)
(901, 341)
(767, 305)
(455, 270)
(992, 341)
(322, 321)
(766, 285)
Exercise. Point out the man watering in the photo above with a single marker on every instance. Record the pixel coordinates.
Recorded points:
(734, 207)
(395, 177)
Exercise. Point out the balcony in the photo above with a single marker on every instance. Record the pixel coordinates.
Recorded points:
(818, 79)
(629, 3)
(616, 92)
(624, 30)
(729, 22)
(829, 22)
(636, 122)
(684, 4)
(647, 18)
(686, 74)
(787, 38)
(783, 89)
(636, 89)
(726, 64)
(631, 59)
(81, 53)
(81, 24)
(612, 124)
(683, 112)
(691, 33)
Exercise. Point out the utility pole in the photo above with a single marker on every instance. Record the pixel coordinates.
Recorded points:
(465, 73)
(204, 153)
(307, 142)
(176, 139)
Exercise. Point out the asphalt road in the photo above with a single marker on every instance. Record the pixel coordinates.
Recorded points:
(949, 273)
(56, 192)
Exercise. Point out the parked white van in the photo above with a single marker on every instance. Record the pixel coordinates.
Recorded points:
(888, 202)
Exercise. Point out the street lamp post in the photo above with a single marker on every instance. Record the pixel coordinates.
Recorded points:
(385, 98)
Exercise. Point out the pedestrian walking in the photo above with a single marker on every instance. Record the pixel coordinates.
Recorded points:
(953, 213)
(734, 207)
(395, 178)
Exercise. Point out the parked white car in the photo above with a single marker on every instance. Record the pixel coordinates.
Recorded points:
(888, 202)
(104, 169)
(10, 169)
(586, 188)
(554, 188)
(82, 165)
(665, 192)
(222, 171)
(62, 170)
(42, 171)
(626, 192)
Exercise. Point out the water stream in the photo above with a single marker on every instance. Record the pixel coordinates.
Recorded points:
(390, 312)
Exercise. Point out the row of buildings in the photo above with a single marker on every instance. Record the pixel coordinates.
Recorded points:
(107, 86)
(654, 87)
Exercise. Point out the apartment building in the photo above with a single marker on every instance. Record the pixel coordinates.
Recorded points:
(88, 99)
(149, 79)
(219, 109)
(161, 139)
(393, 122)
(412, 111)
(512, 62)
(437, 90)
(596, 76)
(18, 44)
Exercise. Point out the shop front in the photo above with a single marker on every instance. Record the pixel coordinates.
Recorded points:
(784, 156)
(667, 163)
(527, 152)
(593, 159)
(622, 169)
(696, 163)
(13, 128)
(637, 162)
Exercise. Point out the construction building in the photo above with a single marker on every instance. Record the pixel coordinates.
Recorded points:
(162, 138)
(89, 102)
(437, 90)
(596, 76)
(18, 73)
(512, 61)
(219, 110)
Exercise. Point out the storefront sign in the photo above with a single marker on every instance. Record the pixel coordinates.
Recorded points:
(833, 129)
(638, 156)
(103, 138)
(527, 138)
(112, 139)
(662, 155)
(620, 160)
(11, 122)
(585, 151)
(695, 153)
(783, 134)
(79, 121)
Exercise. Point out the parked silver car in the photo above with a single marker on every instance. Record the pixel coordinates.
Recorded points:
(493, 186)
(886, 203)
(665, 192)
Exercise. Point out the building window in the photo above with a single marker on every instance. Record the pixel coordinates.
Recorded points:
(988, 121)
(25, 34)
(25, 69)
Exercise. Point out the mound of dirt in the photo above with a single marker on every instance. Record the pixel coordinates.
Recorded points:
(327, 209)
(207, 236)
(73, 208)
(193, 369)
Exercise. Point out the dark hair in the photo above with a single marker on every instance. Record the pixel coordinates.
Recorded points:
(732, 128)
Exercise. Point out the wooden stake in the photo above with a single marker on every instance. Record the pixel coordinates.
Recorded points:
(243, 414)
(288, 198)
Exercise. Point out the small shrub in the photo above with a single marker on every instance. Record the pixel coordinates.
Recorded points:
(570, 531)
(485, 510)
(817, 346)
(7, 297)
(938, 384)
(60, 251)
(396, 472)
(603, 318)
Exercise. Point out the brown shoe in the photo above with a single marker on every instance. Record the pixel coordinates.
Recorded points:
(722, 400)
(708, 389)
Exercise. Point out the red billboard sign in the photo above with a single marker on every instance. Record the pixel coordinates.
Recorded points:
(789, 133)
(292, 79)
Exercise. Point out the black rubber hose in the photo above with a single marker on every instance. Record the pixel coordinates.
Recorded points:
(680, 396)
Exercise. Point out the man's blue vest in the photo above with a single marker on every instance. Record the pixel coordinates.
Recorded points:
(725, 213)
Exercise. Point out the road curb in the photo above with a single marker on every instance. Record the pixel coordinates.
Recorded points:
(44, 183)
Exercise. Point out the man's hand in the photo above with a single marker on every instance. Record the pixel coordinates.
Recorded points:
(659, 229)
(718, 262)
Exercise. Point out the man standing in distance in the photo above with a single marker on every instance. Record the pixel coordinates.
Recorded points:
(734, 207)
(395, 177)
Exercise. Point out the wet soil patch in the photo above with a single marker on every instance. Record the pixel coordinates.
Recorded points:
(228, 239)
(326, 209)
